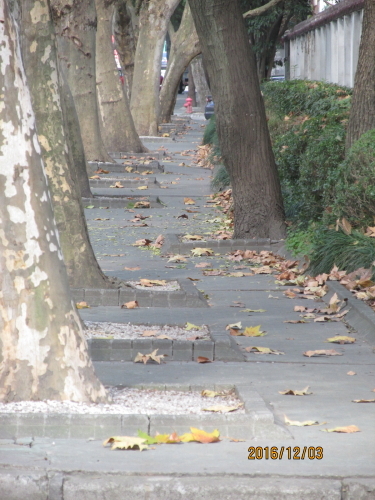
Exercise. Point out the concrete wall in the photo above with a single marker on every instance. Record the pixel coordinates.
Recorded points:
(325, 48)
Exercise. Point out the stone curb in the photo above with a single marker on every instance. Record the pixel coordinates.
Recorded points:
(118, 155)
(360, 316)
(121, 201)
(173, 244)
(187, 296)
(45, 483)
(257, 422)
(106, 182)
(220, 348)
(120, 167)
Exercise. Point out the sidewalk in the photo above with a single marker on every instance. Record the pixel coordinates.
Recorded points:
(81, 469)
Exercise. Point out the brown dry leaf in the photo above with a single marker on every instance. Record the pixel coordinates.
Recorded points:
(137, 268)
(130, 305)
(129, 169)
(306, 423)
(299, 308)
(209, 394)
(158, 242)
(149, 333)
(144, 358)
(203, 359)
(142, 243)
(101, 171)
(263, 350)
(347, 430)
(290, 294)
(345, 225)
(146, 282)
(351, 373)
(142, 188)
(194, 337)
(198, 252)
(322, 352)
(322, 319)
(164, 337)
(200, 436)
(142, 204)
(295, 321)
(203, 264)
(82, 305)
(291, 392)
(126, 442)
(223, 408)
(177, 258)
(342, 339)
(193, 237)
(95, 177)
(98, 218)
(363, 400)
(183, 216)
(117, 185)
(189, 201)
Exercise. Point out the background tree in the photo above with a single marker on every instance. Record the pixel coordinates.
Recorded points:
(42, 349)
(117, 130)
(266, 30)
(201, 86)
(75, 27)
(39, 56)
(154, 16)
(241, 120)
(184, 47)
(362, 112)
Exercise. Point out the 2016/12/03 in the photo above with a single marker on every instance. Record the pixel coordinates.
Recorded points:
(273, 453)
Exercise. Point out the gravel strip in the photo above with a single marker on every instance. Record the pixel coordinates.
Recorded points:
(98, 329)
(130, 401)
(171, 286)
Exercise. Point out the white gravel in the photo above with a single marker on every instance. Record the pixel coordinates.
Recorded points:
(170, 286)
(98, 329)
(130, 401)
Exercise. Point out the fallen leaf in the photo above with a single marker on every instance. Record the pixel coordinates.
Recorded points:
(101, 171)
(144, 358)
(193, 279)
(253, 310)
(223, 408)
(151, 283)
(236, 326)
(130, 305)
(192, 237)
(95, 177)
(177, 258)
(137, 268)
(299, 308)
(129, 169)
(149, 333)
(117, 185)
(126, 442)
(347, 430)
(289, 294)
(322, 352)
(142, 204)
(203, 264)
(351, 373)
(253, 331)
(98, 218)
(203, 359)
(158, 243)
(341, 339)
(291, 392)
(82, 305)
(142, 188)
(198, 252)
(189, 201)
(295, 321)
(182, 216)
(363, 400)
(306, 423)
(272, 297)
(164, 337)
(160, 438)
(200, 436)
(263, 350)
(191, 326)
(90, 206)
(209, 394)
(142, 243)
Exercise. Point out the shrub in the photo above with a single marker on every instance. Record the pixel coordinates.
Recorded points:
(347, 251)
(354, 192)
(210, 134)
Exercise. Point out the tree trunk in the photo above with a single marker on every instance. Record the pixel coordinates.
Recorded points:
(75, 26)
(126, 36)
(201, 86)
(39, 56)
(362, 112)
(118, 130)
(42, 348)
(241, 120)
(191, 91)
(185, 46)
(144, 104)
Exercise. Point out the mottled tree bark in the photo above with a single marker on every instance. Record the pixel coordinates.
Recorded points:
(118, 130)
(42, 349)
(39, 56)
(241, 119)
(201, 86)
(75, 27)
(362, 112)
(185, 46)
(144, 103)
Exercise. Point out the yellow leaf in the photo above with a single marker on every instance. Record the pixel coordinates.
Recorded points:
(262, 350)
(292, 392)
(253, 331)
(129, 169)
(191, 326)
(200, 436)
(192, 237)
(209, 394)
(348, 429)
(82, 305)
(198, 252)
(301, 424)
(223, 408)
(342, 339)
(126, 442)
(189, 201)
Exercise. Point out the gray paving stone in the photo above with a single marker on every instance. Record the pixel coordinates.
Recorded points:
(160, 299)
(144, 298)
(141, 345)
(203, 348)
(126, 295)
(164, 346)
(30, 485)
(182, 350)
(177, 299)
(110, 298)
(121, 350)
(358, 489)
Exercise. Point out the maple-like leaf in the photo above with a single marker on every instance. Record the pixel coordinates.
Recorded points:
(235, 326)
(144, 358)
(177, 258)
(126, 443)
(209, 394)
(253, 331)
(191, 326)
(203, 359)
(200, 436)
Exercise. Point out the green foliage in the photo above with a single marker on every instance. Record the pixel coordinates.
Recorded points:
(221, 179)
(347, 252)
(301, 241)
(354, 186)
(210, 134)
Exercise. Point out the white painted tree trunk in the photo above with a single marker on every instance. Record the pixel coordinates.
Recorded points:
(153, 24)
(43, 352)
